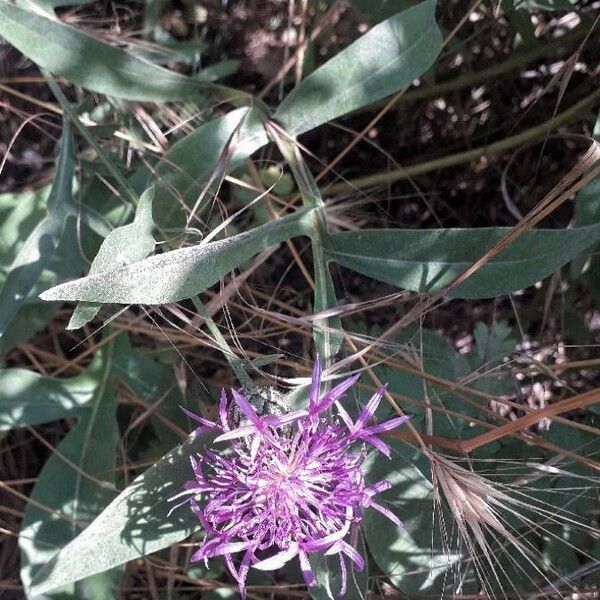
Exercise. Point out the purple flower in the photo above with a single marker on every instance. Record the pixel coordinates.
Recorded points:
(287, 486)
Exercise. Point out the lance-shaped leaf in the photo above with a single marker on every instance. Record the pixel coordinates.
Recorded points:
(381, 62)
(182, 273)
(388, 57)
(27, 398)
(416, 557)
(426, 260)
(134, 524)
(76, 483)
(37, 251)
(95, 65)
(122, 246)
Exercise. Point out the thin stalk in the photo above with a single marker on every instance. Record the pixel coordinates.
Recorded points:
(529, 135)
(327, 344)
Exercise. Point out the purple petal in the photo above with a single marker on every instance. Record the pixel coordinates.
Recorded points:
(335, 394)
(231, 567)
(369, 410)
(201, 553)
(243, 572)
(254, 447)
(349, 551)
(328, 540)
(387, 425)
(245, 407)
(315, 386)
(377, 443)
(354, 555)
(278, 560)
(387, 513)
(345, 416)
(198, 418)
(377, 488)
(233, 547)
(307, 573)
(236, 433)
(216, 548)
(279, 421)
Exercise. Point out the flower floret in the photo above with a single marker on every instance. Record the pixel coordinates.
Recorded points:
(286, 486)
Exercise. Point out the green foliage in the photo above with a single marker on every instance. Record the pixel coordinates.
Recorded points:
(77, 481)
(587, 211)
(122, 246)
(427, 260)
(38, 249)
(95, 65)
(134, 524)
(27, 398)
(181, 273)
(382, 61)
(88, 515)
(189, 163)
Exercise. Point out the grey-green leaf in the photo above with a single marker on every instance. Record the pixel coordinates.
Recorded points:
(134, 524)
(386, 58)
(426, 260)
(181, 273)
(37, 251)
(27, 398)
(378, 64)
(415, 557)
(95, 65)
(76, 482)
(122, 246)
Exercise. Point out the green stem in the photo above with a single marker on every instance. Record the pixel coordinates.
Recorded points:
(534, 133)
(326, 343)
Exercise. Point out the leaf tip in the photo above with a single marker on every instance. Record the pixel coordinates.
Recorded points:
(49, 295)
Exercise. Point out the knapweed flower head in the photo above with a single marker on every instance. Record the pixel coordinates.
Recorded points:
(277, 487)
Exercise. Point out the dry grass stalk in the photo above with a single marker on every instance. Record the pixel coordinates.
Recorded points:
(479, 506)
